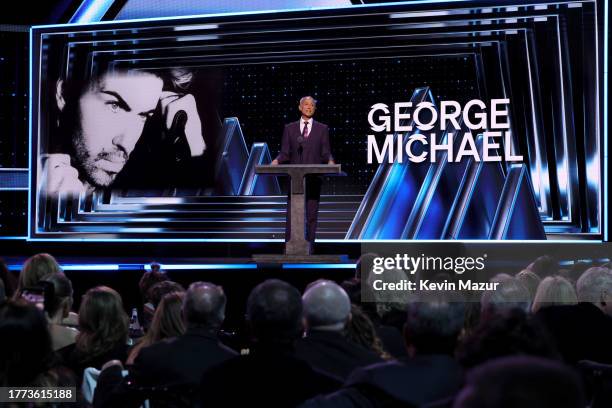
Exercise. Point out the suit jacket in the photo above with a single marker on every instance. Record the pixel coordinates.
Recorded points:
(315, 149)
(581, 332)
(332, 353)
(176, 362)
(413, 382)
(180, 360)
(419, 380)
(264, 378)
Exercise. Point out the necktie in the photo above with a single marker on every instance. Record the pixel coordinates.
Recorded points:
(305, 131)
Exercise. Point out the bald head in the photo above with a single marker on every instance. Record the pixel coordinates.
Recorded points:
(204, 305)
(326, 306)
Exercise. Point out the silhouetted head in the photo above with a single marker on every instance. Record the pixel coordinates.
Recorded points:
(274, 312)
(521, 381)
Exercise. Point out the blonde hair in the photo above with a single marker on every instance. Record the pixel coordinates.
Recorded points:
(35, 269)
(553, 291)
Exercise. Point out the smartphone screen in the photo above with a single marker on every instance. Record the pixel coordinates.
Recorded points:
(35, 296)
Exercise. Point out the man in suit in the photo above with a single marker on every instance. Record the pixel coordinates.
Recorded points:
(176, 362)
(306, 142)
(584, 331)
(429, 374)
(327, 310)
(269, 375)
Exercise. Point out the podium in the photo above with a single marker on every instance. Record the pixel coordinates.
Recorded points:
(297, 249)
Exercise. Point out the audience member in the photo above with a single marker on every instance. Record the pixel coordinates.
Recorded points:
(361, 330)
(103, 331)
(303, 347)
(327, 310)
(552, 291)
(584, 331)
(167, 323)
(472, 319)
(530, 280)
(150, 278)
(544, 266)
(34, 270)
(7, 280)
(390, 336)
(161, 289)
(521, 381)
(510, 294)
(177, 362)
(509, 333)
(390, 305)
(154, 296)
(182, 360)
(269, 375)
(57, 306)
(26, 355)
(577, 269)
(429, 374)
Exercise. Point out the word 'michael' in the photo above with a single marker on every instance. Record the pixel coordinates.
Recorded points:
(493, 124)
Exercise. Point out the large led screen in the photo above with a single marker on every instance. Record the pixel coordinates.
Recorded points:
(451, 121)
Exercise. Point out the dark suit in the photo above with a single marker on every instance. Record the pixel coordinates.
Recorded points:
(413, 382)
(180, 360)
(174, 362)
(315, 149)
(264, 378)
(581, 332)
(331, 352)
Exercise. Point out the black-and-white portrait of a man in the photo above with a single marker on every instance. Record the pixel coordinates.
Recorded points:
(101, 120)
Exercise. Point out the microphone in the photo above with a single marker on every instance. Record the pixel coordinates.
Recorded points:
(178, 138)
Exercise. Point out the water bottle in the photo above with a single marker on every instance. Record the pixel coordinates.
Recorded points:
(135, 328)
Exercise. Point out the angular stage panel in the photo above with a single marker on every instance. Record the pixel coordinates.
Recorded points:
(429, 219)
(258, 184)
(392, 192)
(517, 216)
(232, 159)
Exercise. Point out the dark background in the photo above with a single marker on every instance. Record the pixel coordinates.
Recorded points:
(265, 97)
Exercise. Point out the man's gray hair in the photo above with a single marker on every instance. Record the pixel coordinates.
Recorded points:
(593, 283)
(326, 306)
(204, 305)
(510, 294)
(303, 98)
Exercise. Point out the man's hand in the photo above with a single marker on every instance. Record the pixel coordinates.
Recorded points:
(59, 176)
(331, 162)
(171, 104)
(275, 162)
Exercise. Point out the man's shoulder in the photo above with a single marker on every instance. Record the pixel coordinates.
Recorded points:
(162, 347)
(386, 371)
(182, 343)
